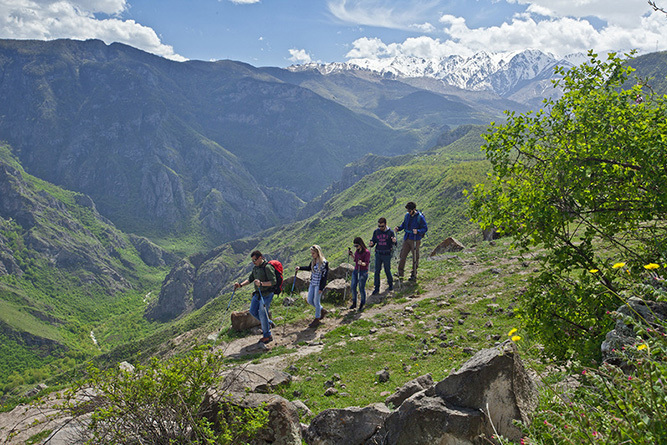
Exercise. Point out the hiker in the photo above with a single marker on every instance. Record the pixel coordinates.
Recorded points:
(415, 228)
(362, 257)
(384, 241)
(263, 276)
(319, 268)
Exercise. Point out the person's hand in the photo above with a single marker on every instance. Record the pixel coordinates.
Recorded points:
(414, 231)
(393, 239)
(396, 229)
(297, 268)
(371, 244)
(257, 283)
(237, 285)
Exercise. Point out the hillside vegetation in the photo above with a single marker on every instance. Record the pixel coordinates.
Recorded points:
(67, 278)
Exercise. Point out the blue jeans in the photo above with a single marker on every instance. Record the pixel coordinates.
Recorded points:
(260, 311)
(314, 299)
(359, 277)
(380, 259)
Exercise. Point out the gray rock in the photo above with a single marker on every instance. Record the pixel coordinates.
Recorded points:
(243, 321)
(347, 426)
(455, 410)
(336, 290)
(651, 312)
(254, 378)
(382, 376)
(301, 408)
(410, 388)
(448, 245)
(283, 426)
(342, 271)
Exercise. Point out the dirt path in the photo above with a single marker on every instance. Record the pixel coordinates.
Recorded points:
(305, 340)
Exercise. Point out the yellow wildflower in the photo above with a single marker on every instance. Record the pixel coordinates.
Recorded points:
(594, 270)
(618, 265)
(651, 266)
(642, 346)
(510, 333)
(516, 338)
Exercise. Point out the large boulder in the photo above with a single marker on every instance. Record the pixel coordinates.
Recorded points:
(489, 391)
(426, 419)
(343, 271)
(243, 321)
(448, 245)
(283, 426)
(336, 290)
(654, 313)
(254, 378)
(412, 387)
(347, 426)
(300, 281)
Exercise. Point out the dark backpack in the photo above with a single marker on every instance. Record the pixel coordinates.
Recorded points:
(278, 267)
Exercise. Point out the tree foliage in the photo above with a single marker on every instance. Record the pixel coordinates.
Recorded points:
(163, 403)
(586, 179)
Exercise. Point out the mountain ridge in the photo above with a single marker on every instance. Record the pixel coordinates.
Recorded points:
(501, 72)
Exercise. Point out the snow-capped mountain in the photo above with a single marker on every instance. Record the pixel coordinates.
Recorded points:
(502, 73)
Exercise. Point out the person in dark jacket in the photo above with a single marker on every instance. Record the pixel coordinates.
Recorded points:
(384, 240)
(263, 276)
(362, 257)
(414, 225)
(319, 268)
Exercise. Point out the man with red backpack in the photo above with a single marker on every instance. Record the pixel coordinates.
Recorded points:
(264, 276)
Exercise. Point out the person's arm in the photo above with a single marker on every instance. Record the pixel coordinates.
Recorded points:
(366, 258)
(245, 282)
(392, 237)
(325, 272)
(423, 227)
(374, 239)
(307, 268)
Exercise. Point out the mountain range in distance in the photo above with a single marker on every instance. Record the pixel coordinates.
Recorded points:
(221, 150)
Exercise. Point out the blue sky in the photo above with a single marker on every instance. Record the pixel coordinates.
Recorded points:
(284, 32)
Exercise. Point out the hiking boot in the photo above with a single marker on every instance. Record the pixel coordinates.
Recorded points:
(323, 313)
(412, 279)
(266, 340)
(353, 305)
(390, 288)
(375, 291)
(315, 323)
(361, 307)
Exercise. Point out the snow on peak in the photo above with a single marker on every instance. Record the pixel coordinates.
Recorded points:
(499, 72)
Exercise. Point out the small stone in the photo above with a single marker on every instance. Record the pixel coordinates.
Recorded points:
(330, 392)
(411, 336)
(382, 376)
(385, 393)
(461, 321)
(372, 331)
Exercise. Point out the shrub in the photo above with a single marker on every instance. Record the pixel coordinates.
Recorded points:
(161, 403)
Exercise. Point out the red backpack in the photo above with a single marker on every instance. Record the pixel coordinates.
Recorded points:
(278, 267)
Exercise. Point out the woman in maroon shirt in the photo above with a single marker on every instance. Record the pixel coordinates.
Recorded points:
(362, 257)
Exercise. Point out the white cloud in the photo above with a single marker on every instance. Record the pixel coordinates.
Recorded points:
(384, 13)
(52, 19)
(244, 2)
(299, 56)
(616, 12)
(537, 28)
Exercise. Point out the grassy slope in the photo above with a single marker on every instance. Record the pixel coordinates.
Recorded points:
(59, 308)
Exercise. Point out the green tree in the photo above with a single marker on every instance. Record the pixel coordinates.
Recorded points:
(584, 178)
(163, 403)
